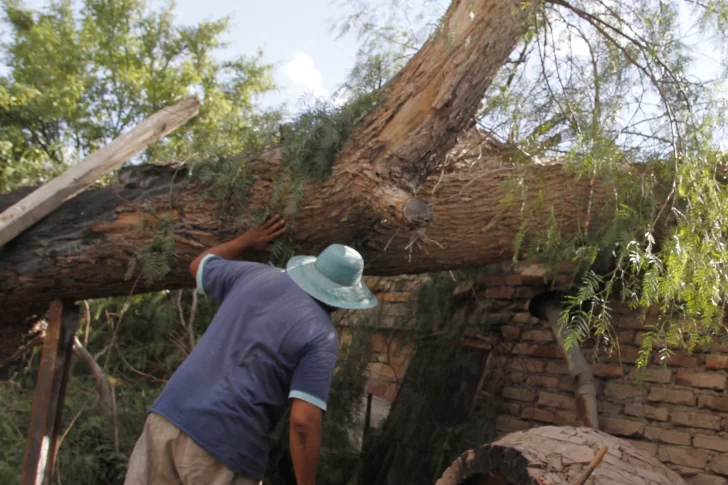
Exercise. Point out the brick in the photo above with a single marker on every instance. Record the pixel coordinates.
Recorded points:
(682, 456)
(661, 376)
(554, 400)
(522, 318)
(608, 370)
(673, 396)
(704, 479)
(607, 407)
(512, 408)
(513, 279)
(511, 332)
(494, 280)
(695, 420)
(720, 464)
(382, 371)
(557, 368)
(510, 424)
(703, 380)
(503, 292)
(633, 322)
(717, 362)
(548, 382)
(643, 410)
(625, 337)
(565, 418)
(623, 427)
(538, 350)
(653, 433)
(535, 274)
(518, 377)
(528, 365)
(674, 437)
(377, 387)
(538, 335)
(537, 414)
(528, 291)
(566, 383)
(650, 449)
(623, 391)
(709, 442)
(679, 360)
(526, 395)
(627, 354)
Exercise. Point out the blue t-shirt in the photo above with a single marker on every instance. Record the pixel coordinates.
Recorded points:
(269, 342)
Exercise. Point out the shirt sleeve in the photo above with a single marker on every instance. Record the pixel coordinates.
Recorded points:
(216, 276)
(313, 375)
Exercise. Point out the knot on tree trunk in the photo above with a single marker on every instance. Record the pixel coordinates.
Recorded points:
(418, 213)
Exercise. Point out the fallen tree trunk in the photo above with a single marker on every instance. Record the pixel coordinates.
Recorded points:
(83, 250)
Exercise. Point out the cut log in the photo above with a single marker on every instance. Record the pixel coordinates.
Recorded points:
(557, 456)
(41, 202)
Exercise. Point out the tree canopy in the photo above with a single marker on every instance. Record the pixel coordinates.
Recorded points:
(82, 72)
(612, 88)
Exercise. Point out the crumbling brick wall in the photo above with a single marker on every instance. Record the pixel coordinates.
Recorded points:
(677, 412)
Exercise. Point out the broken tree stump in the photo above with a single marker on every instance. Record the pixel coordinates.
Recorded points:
(552, 455)
(50, 391)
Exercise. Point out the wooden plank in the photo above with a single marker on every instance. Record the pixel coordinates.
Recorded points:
(50, 391)
(50, 196)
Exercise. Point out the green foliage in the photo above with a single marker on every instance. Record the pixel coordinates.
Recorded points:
(144, 352)
(154, 260)
(82, 72)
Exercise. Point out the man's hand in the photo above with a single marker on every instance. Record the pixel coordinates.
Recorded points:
(305, 440)
(258, 238)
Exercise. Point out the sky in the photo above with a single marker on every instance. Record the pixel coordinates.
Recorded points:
(294, 35)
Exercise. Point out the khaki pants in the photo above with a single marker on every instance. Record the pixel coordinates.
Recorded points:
(164, 455)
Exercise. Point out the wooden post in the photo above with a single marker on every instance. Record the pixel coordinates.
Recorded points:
(50, 196)
(50, 390)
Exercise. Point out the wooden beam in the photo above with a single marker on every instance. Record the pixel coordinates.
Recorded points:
(50, 196)
(50, 390)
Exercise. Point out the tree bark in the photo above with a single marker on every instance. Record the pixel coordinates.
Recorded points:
(398, 191)
(556, 455)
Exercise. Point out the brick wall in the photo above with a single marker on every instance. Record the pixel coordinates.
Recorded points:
(677, 412)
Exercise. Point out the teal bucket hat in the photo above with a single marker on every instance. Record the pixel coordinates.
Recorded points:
(334, 278)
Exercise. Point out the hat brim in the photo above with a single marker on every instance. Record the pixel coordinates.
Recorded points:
(302, 270)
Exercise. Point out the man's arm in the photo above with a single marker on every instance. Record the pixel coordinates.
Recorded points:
(305, 440)
(254, 239)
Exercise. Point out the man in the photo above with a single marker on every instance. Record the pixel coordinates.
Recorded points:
(271, 343)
